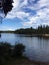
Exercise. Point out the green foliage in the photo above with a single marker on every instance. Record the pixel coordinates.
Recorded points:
(18, 50)
(40, 30)
(7, 50)
(43, 29)
(25, 31)
(7, 6)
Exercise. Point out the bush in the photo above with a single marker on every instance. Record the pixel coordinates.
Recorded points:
(18, 50)
(5, 49)
(5, 52)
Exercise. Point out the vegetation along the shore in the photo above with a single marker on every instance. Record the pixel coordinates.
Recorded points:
(39, 30)
(10, 52)
(13, 55)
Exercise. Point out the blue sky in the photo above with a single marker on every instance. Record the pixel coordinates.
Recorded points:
(26, 13)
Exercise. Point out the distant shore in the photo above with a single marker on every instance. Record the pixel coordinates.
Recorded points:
(41, 31)
(28, 35)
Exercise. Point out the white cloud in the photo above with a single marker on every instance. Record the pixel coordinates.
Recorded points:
(41, 8)
(16, 11)
(32, 20)
(42, 16)
(22, 15)
(24, 3)
(39, 5)
(16, 3)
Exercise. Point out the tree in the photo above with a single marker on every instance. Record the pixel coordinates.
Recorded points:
(7, 6)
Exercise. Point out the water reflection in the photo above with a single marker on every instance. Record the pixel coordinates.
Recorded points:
(36, 48)
(0, 35)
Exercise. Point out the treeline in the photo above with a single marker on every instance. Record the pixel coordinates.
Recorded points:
(25, 31)
(9, 52)
(6, 31)
(40, 30)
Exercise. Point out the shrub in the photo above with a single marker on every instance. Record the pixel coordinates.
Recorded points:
(18, 50)
(5, 49)
(5, 52)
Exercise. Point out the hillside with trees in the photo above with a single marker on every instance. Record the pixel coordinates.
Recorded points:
(40, 30)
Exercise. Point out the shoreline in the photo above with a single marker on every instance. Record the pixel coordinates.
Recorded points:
(29, 35)
(26, 61)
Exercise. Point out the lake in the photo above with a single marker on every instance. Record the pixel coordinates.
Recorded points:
(36, 48)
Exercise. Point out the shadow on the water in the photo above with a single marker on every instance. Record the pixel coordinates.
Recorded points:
(0, 35)
(43, 37)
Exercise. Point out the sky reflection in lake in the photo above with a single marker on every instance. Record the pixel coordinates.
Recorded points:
(36, 48)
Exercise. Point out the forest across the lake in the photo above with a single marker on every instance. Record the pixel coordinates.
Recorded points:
(39, 31)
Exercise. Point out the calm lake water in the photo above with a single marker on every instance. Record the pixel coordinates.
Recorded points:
(36, 48)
